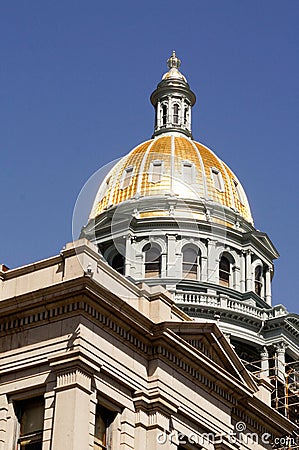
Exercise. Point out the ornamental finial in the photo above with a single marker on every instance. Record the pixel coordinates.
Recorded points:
(173, 61)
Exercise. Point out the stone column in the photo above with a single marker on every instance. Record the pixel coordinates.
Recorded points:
(158, 114)
(169, 111)
(212, 262)
(171, 256)
(248, 271)
(243, 272)
(236, 278)
(204, 268)
(280, 361)
(129, 254)
(182, 112)
(268, 296)
(264, 363)
(189, 118)
(72, 406)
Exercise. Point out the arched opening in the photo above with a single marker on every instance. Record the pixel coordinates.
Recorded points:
(118, 263)
(164, 114)
(190, 263)
(258, 280)
(186, 116)
(224, 271)
(176, 113)
(152, 261)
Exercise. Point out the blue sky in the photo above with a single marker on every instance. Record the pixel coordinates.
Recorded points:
(75, 83)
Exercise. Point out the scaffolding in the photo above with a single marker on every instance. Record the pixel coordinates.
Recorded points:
(285, 395)
(285, 382)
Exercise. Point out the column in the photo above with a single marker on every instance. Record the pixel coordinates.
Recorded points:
(182, 112)
(248, 271)
(243, 271)
(204, 268)
(72, 410)
(236, 278)
(169, 111)
(212, 262)
(280, 361)
(264, 363)
(158, 114)
(189, 118)
(128, 254)
(171, 270)
(268, 296)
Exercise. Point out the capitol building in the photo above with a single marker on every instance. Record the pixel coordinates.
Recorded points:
(155, 329)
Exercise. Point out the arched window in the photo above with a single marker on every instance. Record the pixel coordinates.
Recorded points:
(164, 114)
(190, 263)
(258, 280)
(152, 261)
(176, 113)
(224, 271)
(118, 263)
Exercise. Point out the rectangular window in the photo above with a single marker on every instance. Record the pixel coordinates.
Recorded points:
(187, 172)
(126, 177)
(239, 191)
(30, 414)
(103, 428)
(155, 172)
(217, 179)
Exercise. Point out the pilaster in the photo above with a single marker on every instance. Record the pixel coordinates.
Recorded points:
(72, 402)
(248, 271)
(268, 295)
(3, 420)
(212, 262)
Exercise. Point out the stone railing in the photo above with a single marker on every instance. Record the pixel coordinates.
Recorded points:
(223, 302)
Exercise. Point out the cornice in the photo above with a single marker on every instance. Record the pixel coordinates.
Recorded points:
(81, 296)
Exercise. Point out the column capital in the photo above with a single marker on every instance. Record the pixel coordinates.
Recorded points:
(281, 347)
(73, 369)
(264, 352)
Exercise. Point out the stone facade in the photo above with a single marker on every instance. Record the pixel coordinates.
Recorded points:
(81, 343)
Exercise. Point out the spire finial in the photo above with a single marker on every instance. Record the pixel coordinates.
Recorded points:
(173, 61)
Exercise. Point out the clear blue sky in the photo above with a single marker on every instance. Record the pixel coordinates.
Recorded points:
(75, 83)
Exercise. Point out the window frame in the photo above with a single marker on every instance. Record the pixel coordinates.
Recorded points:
(217, 179)
(193, 266)
(225, 281)
(239, 192)
(110, 416)
(29, 438)
(149, 266)
(151, 174)
(124, 184)
(258, 282)
(176, 113)
(191, 166)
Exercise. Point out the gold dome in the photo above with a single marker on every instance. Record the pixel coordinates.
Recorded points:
(172, 164)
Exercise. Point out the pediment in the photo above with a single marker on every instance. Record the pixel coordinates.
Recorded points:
(263, 240)
(209, 341)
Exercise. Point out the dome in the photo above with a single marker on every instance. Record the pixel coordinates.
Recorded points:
(172, 164)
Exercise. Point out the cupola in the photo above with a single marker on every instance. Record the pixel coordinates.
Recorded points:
(173, 100)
